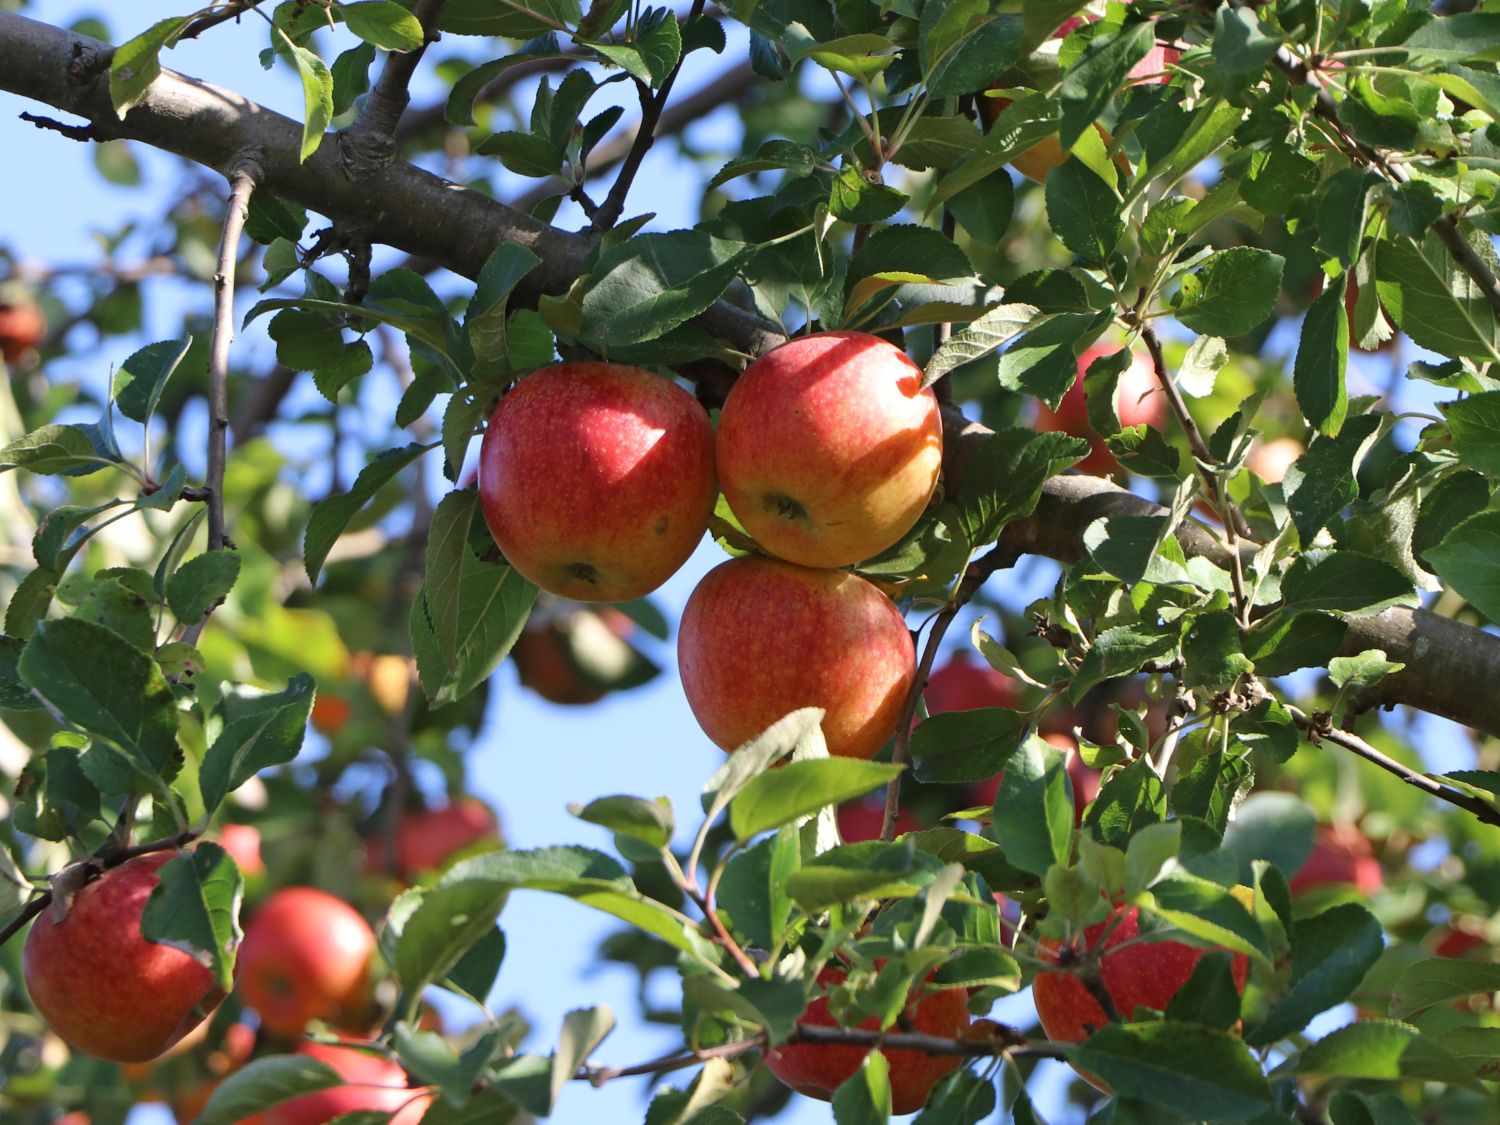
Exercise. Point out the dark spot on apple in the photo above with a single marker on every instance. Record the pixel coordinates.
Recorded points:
(583, 572)
(784, 506)
(661, 526)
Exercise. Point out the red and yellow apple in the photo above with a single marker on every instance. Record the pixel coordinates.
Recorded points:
(597, 479)
(100, 985)
(306, 956)
(760, 638)
(371, 1082)
(1138, 401)
(546, 659)
(1341, 857)
(829, 448)
(818, 1069)
(22, 327)
(330, 713)
(427, 839)
(242, 842)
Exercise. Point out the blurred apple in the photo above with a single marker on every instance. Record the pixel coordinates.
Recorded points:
(242, 842)
(22, 328)
(330, 713)
(1270, 460)
(574, 656)
(862, 819)
(963, 684)
(1138, 401)
(1341, 857)
(426, 839)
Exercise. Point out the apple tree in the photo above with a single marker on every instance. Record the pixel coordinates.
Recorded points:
(1131, 704)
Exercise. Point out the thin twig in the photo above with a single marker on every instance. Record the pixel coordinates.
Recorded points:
(232, 10)
(28, 912)
(72, 132)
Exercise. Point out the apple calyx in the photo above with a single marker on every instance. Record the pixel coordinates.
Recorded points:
(67, 882)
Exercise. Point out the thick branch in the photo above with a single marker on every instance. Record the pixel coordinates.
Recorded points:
(370, 143)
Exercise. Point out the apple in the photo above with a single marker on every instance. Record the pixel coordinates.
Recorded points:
(22, 327)
(829, 448)
(388, 676)
(238, 1045)
(1141, 975)
(425, 840)
(546, 654)
(760, 638)
(1083, 778)
(1270, 460)
(330, 713)
(371, 1082)
(100, 985)
(1340, 857)
(862, 819)
(1455, 940)
(818, 1069)
(1138, 401)
(963, 684)
(305, 957)
(597, 479)
(242, 842)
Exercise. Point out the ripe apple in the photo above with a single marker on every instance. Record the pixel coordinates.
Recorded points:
(1143, 974)
(242, 842)
(100, 985)
(371, 1082)
(829, 448)
(1270, 460)
(546, 660)
(1138, 401)
(425, 840)
(1340, 857)
(1459, 939)
(963, 684)
(818, 1069)
(760, 638)
(862, 819)
(330, 713)
(305, 956)
(388, 676)
(597, 479)
(22, 327)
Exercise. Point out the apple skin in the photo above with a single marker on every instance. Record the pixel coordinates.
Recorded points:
(1138, 401)
(1145, 974)
(330, 713)
(22, 327)
(818, 1069)
(373, 1082)
(829, 448)
(760, 638)
(1270, 460)
(242, 842)
(862, 819)
(305, 956)
(425, 840)
(1341, 856)
(597, 479)
(544, 655)
(963, 684)
(100, 985)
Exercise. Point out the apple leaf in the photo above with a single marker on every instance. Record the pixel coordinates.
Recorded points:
(469, 611)
(52, 450)
(201, 583)
(1209, 997)
(134, 66)
(645, 286)
(1322, 355)
(752, 890)
(1434, 301)
(1083, 211)
(433, 927)
(475, 973)
(1232, 293)
(384, 24)
(797, 733)
(427, 1056)
(1357, 1107)
(1343, 582)
(1439, 980)
(865, 870)
(978, 339)
(1331, 953)
(864, 1098)
(799, 789)
(1378, 1050)
(583, 1029)
(1195, 1071)
(196, 909)
(1003, 480)
(329, 518)
(1091, 82)
(265, 730)
(1034, 808)
(649, 821)
(1120, 651)
(265, 1082)
(966, 745)
(1206, 911)
(1466, 561)
(139, 382)
(1321, 482)
(1129, 801)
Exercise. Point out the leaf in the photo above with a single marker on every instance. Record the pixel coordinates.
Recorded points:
(317, 95)
(1120, 651)
(864, 1098)
(1440, 980)
(1474, 423)
(1322, 354)
(134, 66)
(53, 450)
(1378, 1049)
(1434, 301)
(1207, 911)
(865, 870)
(1468, 560)
(202, 583)
(973, 745)
(1127, 802)
(142, 378)
(108, 687)
(1331, 953)
(798, 789)
(196, 909)
(474, 975)
(1198, 1072)
(1277, 827)
(267, 733)
(1003, 478)
(856, 199)
(1090, 83)
(648, 821)
(262, 1083)
(647, 285)
(1083, 211)
(331, 516)
(1034, 808)
(1343, 582)
(1232, 293)
(659, 40)
(1209, 996)
(792, 733)
(384, 24)
(440, 924)
(1321, 483)
(469, 612)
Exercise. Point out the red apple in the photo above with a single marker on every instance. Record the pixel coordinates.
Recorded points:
(242, 842)
(760, 638)
(545, 657)
(371, 1082)
(22, 327)
(1341, 856)
(330, 713)
(597, 480)
(1138, 401)
(963, 684)
(1455, 940)
(862, 819)
(187, 1101)
(305, 957)
(829, 448)
(100, 985)
(818, 1069)
(1142, 975)
(1270, 460)
(425, 840)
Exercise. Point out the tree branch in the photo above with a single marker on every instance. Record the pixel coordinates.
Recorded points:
(232, 10)
(370, 143)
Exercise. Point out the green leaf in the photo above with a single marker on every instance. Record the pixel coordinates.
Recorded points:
(262, 1083)
(864, 1098)
(978, 339)
(108, 687)
(427, 1056)
(650, 821)
(202, 583)
(267, 732)
(963, 1098)
(1468, 36)
(54, 798)
(1441, 980)
(1083, 211)
(1090, 83)
(1232, 293)
(1120, 651)
(1343, 582)
(659, 40)
(439, 924)
(469, 612)
(1468, 560)
(1198, 1072)
(196, 909)
(53, 450)
(798, 789)
(1207, 911)
(1034, 808)
(1477, 1048)
(317, 95)
(798, 732)
(1130, 800)
(1277, 827)
(979, 968)
(1213, 652)
(647, 285)
(583, 1029)
(856, 199)
(1331, 953)
(384, 24)
(1209, 997)
(142, 378)
(865, 870)
(134, 65)
(1003, 479)
(329, 518)
(1475, 425)
(474, 975)
(1321, 483)
(1379, 1050)
(1322, 354)
(973, 745)
(1434, 301)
